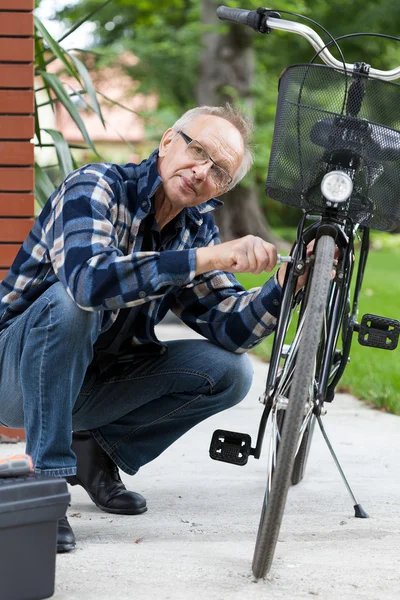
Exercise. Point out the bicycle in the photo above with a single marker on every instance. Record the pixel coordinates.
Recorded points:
(336, 155)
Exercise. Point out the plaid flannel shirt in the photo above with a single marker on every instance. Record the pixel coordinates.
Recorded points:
(88, 236)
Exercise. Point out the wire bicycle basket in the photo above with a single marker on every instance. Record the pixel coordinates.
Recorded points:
(327, 120)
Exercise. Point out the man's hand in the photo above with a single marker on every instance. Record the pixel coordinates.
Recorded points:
(249, 254)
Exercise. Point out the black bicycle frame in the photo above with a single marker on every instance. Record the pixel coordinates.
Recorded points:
(343, 231)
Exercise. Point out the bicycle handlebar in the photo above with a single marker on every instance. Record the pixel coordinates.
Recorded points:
(256, 20)
(239, 15)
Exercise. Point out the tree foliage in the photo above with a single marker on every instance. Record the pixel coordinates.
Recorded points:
(166, 36)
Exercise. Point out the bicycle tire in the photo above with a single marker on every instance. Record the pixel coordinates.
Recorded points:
(301, 458)
(300, 462)
(272, 512)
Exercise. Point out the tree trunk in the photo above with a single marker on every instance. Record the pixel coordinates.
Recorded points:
(226, 73)
(241, 215)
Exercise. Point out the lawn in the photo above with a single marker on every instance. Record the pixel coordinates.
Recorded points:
(373, 374)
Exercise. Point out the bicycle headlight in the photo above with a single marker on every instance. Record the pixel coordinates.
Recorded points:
(336, 187)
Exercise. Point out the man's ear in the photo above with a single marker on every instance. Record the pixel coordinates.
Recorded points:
(165, 142)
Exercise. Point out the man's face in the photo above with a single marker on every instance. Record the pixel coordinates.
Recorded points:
(187, 182)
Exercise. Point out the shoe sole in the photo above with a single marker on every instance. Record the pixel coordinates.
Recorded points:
(121, 511)
(63, 548)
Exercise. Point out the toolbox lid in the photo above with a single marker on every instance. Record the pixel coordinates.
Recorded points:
(34, 495)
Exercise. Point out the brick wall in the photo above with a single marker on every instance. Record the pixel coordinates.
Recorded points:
(16, 131)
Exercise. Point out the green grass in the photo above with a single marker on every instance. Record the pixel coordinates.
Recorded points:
(373, 375)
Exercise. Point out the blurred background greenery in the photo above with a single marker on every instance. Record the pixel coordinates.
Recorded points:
(187, 56)
(175, 54)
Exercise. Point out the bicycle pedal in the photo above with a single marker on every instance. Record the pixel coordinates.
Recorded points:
(230, 447)
(379, 332)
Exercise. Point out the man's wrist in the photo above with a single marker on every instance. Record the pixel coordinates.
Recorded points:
(203, 261)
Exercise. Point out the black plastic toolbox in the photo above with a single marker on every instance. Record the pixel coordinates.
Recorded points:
(30, 507)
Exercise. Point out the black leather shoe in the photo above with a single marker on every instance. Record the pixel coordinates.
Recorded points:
(65, 536)
(98, 475)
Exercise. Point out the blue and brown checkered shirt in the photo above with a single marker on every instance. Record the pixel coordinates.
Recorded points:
(91, 236)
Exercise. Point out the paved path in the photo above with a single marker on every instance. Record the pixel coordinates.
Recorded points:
(197, 538)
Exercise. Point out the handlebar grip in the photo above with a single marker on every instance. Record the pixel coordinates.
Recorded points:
(239, 15)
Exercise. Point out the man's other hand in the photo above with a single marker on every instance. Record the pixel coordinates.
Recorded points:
(302, 280)
(249, 254)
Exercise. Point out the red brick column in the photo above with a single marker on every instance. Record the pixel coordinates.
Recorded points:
(16, 131)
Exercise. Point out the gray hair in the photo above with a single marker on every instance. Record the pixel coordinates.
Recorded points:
(234, 116)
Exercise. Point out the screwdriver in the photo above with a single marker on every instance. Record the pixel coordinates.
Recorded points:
(20, 464)
(283, 259)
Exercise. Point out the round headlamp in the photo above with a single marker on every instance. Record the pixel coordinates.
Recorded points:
(336, 187)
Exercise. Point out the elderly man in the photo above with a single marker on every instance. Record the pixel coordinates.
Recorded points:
(113, 250)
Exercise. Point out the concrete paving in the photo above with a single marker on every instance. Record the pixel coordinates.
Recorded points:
(197, 538)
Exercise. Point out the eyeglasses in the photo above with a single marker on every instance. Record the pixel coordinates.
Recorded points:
(219, 175)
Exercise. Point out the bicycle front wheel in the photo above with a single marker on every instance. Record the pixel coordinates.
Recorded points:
(303, 379)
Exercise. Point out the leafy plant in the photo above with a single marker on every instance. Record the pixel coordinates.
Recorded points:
(47, 50)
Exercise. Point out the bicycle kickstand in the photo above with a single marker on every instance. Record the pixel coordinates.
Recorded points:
(358, 509)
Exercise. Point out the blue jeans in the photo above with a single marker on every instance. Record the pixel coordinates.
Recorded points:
(135, 410)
